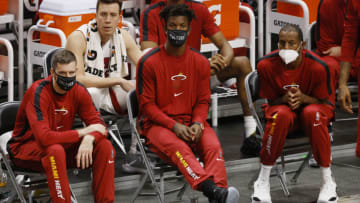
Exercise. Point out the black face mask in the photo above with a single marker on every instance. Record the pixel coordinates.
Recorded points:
(65, 83)
(177, 37)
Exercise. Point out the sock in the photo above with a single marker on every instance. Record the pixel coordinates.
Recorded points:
(326, 174)
(264, 174)
(249, 125)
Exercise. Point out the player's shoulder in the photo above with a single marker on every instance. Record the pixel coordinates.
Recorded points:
(316, 62)
(151, 55)
(197, 55)
(154, 8)
(268, 59)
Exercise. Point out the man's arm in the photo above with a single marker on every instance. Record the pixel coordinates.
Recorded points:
(89, 114)
(219, 61)
(148, 32)
(147, 98)
(348, 50)
(132, 49)
(38, 118)
(76, 43)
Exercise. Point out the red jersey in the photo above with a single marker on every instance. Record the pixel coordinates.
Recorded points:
(152, 26)
(312, 76)
(48, 117)
(173, 88)
(330, 28)
(350, 42)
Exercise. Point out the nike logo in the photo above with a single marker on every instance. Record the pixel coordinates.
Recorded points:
(110, 162)
(178, 94)
(217, 159)
(317, 124)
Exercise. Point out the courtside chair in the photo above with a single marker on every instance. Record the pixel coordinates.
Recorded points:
(295, 142)
(32, 180)
(156, 170)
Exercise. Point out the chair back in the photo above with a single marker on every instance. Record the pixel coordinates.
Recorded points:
(8, 112)
(48, 59)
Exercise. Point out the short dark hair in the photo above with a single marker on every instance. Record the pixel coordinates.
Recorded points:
(109, 2)
(62, 56)
(177, 10)
(293, 28)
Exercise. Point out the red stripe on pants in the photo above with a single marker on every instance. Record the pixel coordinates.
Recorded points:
(280, 120)
(54, 160)
(170, 148)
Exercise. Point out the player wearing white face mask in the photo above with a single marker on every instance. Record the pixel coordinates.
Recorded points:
(301, 96)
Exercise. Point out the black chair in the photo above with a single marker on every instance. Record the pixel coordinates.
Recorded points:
(154, 165)
(110, 119)
(295, 142)
(33, 180)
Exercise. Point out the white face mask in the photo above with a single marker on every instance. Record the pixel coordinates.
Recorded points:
(289, 55)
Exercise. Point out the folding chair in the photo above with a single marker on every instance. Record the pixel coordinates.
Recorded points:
(295, 141)
(157, 167)
(33, 180)
(110, 119)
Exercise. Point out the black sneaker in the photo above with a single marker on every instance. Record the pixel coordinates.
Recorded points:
(223, 195)
(251, 146)
(134, 163)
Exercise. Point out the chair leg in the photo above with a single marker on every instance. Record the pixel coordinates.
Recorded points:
(73, 197)
(140, 187)
(182, 190)
(18, 189)
(118, 142)
(282, 177)
(301, 168)
(214, 110)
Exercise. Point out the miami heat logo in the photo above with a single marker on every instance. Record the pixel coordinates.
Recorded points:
(293, 84)
(60, 116)
(178, 84)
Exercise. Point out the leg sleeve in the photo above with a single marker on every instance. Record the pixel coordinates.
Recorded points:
(314, 120)
(169, 147)
(280, 120)
(211, 153)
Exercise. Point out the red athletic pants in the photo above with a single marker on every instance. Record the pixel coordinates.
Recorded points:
(55, 159)
(313, 119)
(170, 148)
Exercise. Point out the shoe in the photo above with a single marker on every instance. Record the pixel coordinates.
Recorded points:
(133, 164)
(223, 195)
(328, 193)
(261, 192)
(251, 146)
(313, 163)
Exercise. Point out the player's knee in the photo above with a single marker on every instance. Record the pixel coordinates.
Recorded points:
(105, 147)
(242, 65)
(311, 112)
(56, 149)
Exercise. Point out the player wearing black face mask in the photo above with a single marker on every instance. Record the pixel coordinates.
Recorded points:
(175, 115)
(44, 128)
(65, 83)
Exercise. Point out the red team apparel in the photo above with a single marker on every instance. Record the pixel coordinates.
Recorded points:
(43, 139)
(350, 45)
(152, 26)
(313, 79)
(176, 89)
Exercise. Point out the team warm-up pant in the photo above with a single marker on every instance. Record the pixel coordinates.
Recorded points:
(170, 148)
(55, 159)
(313, 119)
